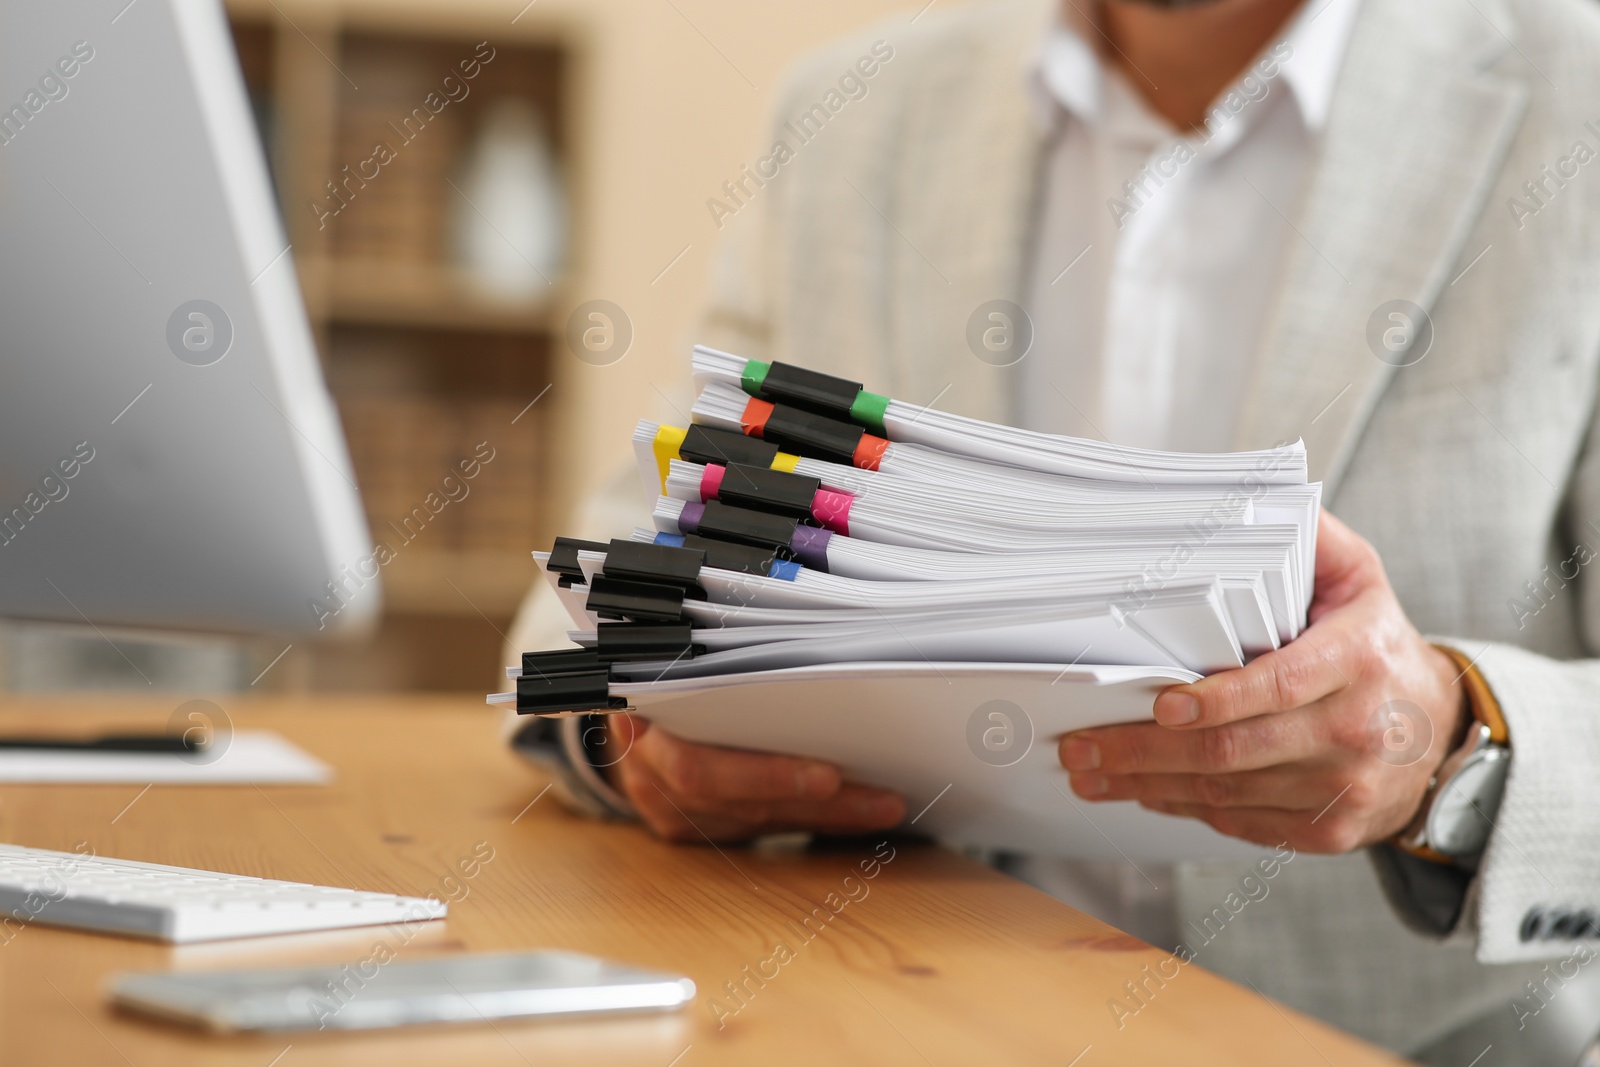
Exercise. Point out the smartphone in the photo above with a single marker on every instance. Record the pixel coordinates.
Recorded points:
(373, 994)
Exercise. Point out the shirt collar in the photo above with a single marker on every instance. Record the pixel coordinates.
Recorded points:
(1317, 39)
(1068, 74)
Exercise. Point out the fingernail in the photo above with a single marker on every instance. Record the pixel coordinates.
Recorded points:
(1080, 755)
(1176, 709)
(1090, 785)
(816, 780)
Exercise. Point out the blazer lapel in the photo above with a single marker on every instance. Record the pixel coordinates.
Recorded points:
(965, 202)
(1412, 146)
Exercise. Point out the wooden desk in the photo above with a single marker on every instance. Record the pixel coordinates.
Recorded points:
(936, 960)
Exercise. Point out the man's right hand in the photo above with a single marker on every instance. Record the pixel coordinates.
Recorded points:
(689, 792)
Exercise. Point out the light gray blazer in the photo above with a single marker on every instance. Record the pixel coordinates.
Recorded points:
(1471, 470)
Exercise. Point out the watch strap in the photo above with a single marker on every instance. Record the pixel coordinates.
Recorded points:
(1480, 698)
(1485, 710)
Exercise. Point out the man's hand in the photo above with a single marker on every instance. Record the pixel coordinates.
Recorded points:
(688, 792)
(1303, 744)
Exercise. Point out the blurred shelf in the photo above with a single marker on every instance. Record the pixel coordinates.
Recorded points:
(471, 583)
(546, 18)
(419, 294)
(427, 363)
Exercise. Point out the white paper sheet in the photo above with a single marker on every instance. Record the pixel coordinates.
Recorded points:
(919, 729)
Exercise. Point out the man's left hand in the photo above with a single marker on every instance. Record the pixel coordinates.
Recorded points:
(1303, 744)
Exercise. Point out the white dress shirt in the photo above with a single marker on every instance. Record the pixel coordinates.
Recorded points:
(1177, 274)
(1154, 269)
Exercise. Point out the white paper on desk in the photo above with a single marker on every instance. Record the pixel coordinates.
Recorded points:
(252, 757)
(905, 726)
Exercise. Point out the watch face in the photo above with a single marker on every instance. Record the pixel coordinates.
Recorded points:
(1463, 813)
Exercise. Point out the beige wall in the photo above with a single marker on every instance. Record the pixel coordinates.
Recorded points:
(665, 120)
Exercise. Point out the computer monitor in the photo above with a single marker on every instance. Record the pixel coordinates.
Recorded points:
(170, 456)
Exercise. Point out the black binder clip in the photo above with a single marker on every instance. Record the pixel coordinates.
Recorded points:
(746, 527)
(809, 390)
(621, 598)
(553, 693)
(707, 444)
(625, 642)
(560, 661)
(646, 562)
(764, 489)
(728, 556)
(564, 559)
(565, 680)
(646, 582)
(808, 434)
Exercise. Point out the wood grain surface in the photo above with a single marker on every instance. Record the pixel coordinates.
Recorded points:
(933, 959)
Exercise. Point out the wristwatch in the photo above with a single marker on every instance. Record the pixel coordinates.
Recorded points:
(1453, 823)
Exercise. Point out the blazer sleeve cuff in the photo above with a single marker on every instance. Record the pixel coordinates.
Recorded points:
(561, 748)
(1536, 892)
(1428, 897)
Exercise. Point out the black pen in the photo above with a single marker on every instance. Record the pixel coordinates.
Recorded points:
(177, 744)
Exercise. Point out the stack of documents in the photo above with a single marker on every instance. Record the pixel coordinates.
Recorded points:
(927, 600)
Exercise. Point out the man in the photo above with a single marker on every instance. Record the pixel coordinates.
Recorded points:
(1367, 223)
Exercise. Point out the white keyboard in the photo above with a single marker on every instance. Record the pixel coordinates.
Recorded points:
(179, 904)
